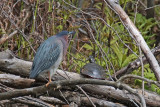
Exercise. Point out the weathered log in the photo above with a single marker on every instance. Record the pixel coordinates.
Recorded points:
(13, 65)
(15, 81)
(110, 92)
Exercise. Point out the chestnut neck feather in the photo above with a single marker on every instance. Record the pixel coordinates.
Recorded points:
(64, 40)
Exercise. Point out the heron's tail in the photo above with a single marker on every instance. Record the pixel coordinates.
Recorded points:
(33, 74)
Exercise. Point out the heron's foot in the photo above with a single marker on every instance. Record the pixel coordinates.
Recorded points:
(49, 79)
(48, 83)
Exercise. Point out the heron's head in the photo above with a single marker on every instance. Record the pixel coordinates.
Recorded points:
(65, 33)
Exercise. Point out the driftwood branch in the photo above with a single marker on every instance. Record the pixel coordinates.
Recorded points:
(81, 99)
(15, 81)
(13, 65)
(71, 96)
(51, 100)
(31, 101)
(60, 84)
(133, 31)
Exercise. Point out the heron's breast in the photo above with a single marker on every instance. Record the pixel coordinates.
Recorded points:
(60, 57)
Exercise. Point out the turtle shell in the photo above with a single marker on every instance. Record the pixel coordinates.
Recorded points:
(93, 70)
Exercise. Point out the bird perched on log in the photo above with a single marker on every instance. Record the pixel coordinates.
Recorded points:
(50, 54)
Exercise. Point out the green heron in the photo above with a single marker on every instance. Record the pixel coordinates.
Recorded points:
(50, 54)
(93, 70)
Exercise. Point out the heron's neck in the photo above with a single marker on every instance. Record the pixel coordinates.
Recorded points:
(64, 40)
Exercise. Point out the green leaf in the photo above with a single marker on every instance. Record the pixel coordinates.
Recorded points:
(118, 53)
(153, 87)
(88, 47)
(114, 41)
(128, 60)
(59, 27)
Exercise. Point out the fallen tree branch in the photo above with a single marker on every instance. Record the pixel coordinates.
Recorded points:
(102, 103)
(31, 101)
(51, 100)
(15, 81)
(13, 65)
(82, 100)
(62, 83)
(110, 92)
(116, 94)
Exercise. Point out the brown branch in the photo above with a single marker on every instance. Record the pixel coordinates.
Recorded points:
(6, 37)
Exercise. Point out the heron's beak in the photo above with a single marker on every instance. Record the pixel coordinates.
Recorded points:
(72, 32)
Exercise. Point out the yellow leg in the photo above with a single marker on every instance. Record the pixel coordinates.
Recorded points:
(49, 80)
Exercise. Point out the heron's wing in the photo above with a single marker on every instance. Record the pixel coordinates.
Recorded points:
(46, 56)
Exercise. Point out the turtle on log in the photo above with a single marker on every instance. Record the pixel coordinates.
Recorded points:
(93, 70)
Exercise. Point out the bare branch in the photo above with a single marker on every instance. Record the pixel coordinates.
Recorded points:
(52, 100)
(3, 39)
(139, 77)
(31, 101)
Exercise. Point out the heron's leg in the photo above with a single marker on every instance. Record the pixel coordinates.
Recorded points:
(49, 79)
